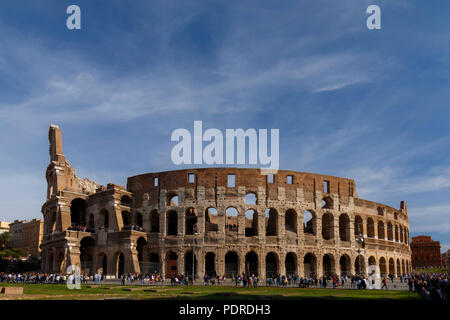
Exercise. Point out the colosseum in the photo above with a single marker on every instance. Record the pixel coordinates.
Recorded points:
(220, 221)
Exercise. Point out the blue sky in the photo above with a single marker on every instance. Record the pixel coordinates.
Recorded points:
(367, 105)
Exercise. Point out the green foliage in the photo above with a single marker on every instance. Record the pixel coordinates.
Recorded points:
(13, 253)
(5, 238)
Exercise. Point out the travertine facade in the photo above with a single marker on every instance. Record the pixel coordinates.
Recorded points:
(301, 223)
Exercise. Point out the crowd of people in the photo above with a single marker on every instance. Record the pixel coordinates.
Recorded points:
(432, 285)
(429, 285)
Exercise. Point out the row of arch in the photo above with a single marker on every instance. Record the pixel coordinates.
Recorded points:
(390, 232)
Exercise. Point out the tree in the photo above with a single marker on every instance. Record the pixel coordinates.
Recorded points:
(5, 238)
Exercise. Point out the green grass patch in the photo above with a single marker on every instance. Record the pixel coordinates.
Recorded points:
(61, 292)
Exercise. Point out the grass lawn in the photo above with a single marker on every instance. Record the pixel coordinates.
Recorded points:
(91, 292)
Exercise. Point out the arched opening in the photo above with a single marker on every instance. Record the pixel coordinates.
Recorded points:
(396, 233)
(358, 226)
(172, 200)
(380, 211)
(210, 264)
(120, 264)
(87, 245)
(231, 264)
(344, 227)
(309, 226)
(172, 268)
(390, 233)
(360, 265)
(370, 228)
(290, 221)
(327, 203)
(126, 219)
(77, 212)
(271, 222)
(190, 221)
(271, 265)
(381, 230)
(290, 263)
(154, 221)
(211, 220)
(327, 226)
(139, 220)
(154, 263)
(140, 245)
(126, 201)
(310, 265)
(344, 264)
(391, 267)
(383, 267)
(403, 267)
(250, 198)
(401, 234)
(328, 265)
(231, 222)
(172, 223)
(104, 218)
(91, 223)
(251, 263)
(251, 223)
(190, 264)
(399, 272)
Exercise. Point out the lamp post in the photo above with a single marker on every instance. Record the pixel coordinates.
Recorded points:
(194, 232)
(360, 240)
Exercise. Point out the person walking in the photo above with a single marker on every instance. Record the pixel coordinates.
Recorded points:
(384, 282)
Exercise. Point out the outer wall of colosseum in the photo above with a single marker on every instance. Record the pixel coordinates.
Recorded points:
(234, 220)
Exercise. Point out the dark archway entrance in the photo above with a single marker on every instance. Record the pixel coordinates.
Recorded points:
(251, 263)
(190, 263)
(231, 264)
(210, 264)
(291, 263)
(271, 265)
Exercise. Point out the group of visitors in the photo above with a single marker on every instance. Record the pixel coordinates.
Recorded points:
(39, 278)
(132, 227)
(141, 278)
(246, 280)
(431, 285)
(77, 227)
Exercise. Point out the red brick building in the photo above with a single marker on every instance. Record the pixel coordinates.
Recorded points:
(425, 253)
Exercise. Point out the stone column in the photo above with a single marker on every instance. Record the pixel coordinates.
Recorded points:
(180, 261)
(300, 264)
(282, 263)
(162, 259)
(262, 267)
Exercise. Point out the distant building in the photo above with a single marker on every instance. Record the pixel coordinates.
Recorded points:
(32, 233)
(15, 228)
(425, 253)
(444, 259)
(4, 226)
(27, 235)
(447, 259)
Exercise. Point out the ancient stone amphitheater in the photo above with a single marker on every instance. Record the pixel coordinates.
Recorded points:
(220, 221)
